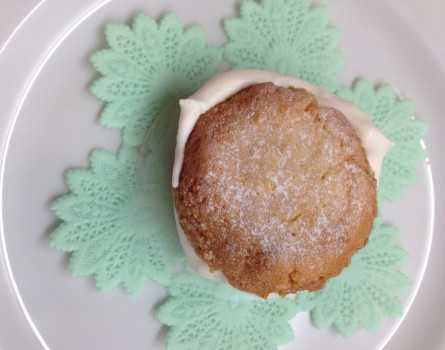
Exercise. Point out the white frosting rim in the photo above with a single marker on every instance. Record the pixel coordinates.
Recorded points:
(226, 84)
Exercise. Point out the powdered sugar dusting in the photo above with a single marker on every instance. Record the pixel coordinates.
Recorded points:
(281, 182)
(228, 83)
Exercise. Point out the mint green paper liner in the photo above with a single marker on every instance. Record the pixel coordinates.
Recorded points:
(117, 221)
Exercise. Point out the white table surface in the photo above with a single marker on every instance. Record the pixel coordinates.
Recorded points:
(428, 18)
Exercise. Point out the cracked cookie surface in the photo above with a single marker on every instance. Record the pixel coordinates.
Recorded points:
(275, 191)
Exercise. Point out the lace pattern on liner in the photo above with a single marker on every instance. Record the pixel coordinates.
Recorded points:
(117, 221)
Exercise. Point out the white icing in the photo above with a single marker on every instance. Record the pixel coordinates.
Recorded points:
(227, 84)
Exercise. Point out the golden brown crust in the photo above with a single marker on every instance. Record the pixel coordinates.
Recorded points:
(274, 191)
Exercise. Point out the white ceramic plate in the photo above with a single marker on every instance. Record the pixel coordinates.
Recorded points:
(49, 123)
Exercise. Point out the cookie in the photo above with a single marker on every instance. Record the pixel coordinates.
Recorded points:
(275, 191)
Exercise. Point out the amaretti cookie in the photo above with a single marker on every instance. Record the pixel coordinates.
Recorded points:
(275, 190)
